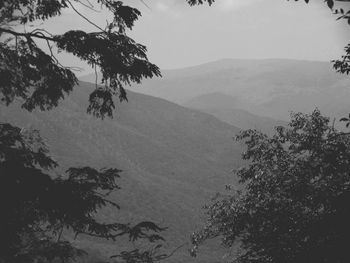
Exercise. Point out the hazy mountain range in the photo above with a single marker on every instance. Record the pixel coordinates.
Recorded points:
(174, 159)
(224, 108)
(270, 87)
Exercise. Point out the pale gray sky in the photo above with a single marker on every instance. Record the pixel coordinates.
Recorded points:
(178, 35)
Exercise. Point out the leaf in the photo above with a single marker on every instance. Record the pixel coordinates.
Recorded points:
(330, 3)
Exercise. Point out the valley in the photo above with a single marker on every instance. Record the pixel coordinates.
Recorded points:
(173, 159)
(174, 142)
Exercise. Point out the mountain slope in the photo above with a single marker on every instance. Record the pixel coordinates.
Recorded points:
(224, 108)
(174, 159)
(212, 101)
(270, 87)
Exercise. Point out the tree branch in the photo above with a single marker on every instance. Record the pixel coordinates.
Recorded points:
(172, 252)
(89, 6)
(84, 17)
(31, 34)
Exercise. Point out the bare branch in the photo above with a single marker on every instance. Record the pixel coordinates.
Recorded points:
(143, 2)
(90, 6)
(173, 252)
(28, 35)
(84, 17)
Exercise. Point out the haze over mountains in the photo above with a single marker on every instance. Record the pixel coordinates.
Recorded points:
(174, 159)
(223, 107)
(270, 87)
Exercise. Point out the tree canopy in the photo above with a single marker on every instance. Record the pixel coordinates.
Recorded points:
(38, 201)
(294, 205)
(40, 80)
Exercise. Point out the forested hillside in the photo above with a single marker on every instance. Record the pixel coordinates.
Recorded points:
(173, 158)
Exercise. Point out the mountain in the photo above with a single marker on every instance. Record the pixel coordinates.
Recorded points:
(223, 107)
(269, 87)
(173, 159)
(212, 101)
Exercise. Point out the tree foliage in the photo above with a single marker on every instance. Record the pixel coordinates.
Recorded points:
(40, 80)
(38, 203)
(150, 255)
(341, 65)
(294, 206)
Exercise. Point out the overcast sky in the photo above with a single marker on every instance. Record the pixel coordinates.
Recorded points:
(178, 35)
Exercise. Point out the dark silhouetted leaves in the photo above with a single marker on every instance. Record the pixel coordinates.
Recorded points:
(200, 2)
(294, 207)
(39, 78)
(150, 255)
(32, 75)
(40, 203)
(330, 3)
(343, 65)
(346, 120)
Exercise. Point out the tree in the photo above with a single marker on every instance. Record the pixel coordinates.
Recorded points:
(38, 204)
(39, 80)
(294, 205)
(37, 201)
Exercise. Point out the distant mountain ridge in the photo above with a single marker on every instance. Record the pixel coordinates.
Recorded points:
(223, 107)
(268, 87)
(212, 100)
(173, 158)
